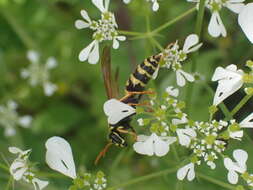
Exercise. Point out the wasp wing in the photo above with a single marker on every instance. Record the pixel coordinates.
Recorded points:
(116, 111)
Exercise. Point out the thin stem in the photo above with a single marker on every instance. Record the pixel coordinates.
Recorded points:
(156, 43)
(144, 178)
(200, 17)
(215, 181)
(241, 104)
(169, 23)
(9, 183)
(25, 38)
(130, 33)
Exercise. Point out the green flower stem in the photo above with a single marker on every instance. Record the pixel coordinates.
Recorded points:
(200, 17)
(156, 43)
(8, 184)
(215, 181)
(169, 23)
(144, 178)
(129, 33)
(25, 38)
(241, 104)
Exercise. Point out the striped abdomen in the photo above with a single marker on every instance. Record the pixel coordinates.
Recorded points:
(140, 77)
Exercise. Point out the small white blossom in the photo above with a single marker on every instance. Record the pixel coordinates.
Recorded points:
(104, 29)
(245, 21)
(239, 165)
(172, 91)
(140, 122)
(59, 156)
(155, 5)
(39, 74)
(187, 170)
(20, 169)
(9, 118)
(216, 27)
(174, 57)
(229, 81)
(185, 136)
(153, 145)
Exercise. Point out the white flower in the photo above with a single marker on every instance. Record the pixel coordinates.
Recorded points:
(140, 121)
(9, 118)
(126, 1)
(174, 57)
(185, 136)
(59, 156)
(216, 26)
(239, 166)
(104, 30)
(182, 120)
(182, 76)
(236, 134)
(37, 183)
(153, 145)
(229, 81)
(155, 5)
(39, 74)
(245, 21)
(19, 165)
(187, 170)
(172, 91)
(247, 122)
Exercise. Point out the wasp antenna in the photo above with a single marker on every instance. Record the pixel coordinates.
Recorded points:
(102, 153)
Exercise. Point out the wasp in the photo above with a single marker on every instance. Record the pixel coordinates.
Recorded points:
(120, 112)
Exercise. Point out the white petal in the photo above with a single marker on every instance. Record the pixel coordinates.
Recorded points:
(236, 135)
(185, 136)
(161, 148)
(216, 27)
(245, 20)
(116, 110)
(79, 24)
(247, 122)
(115, 44)
(142, 138)
(182, 172)
(191, 173)
(155, 6)
(190, 41)
(180, 78)
(155, 74)
(172, 91)
(49, 88)
(85, 16)
(146, 147)
(33, 56)
(25, 121)
(232, 177)
(59, 156)
(51, 63)
(94, 54)
(9, 132)
(126, 1)
(241, 157)
(235, 7)
(187, 76)
(17, 169)
(14, 150)
(84, 54)
(107, 2)
(99, 5)
(25, 73)
(39, 184)
(121, 38)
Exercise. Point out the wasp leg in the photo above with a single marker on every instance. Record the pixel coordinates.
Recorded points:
(102, 153)
(133, 133)
(135, 93)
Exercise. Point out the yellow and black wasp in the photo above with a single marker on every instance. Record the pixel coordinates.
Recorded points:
(120, 111)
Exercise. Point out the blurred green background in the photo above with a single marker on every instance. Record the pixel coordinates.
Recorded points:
(75, 110)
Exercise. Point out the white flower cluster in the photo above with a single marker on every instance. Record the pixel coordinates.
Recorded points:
(105, 29)
(9, 118)
(155, 4)
(59, 157)
(216, 27)
(39, 74)
(173, 57)
(20, 169)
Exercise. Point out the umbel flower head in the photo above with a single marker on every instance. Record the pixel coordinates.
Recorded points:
(105, 29)
(173, 57)
(9, 118)
(39, 74)
(21, 170)
(216, 27)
